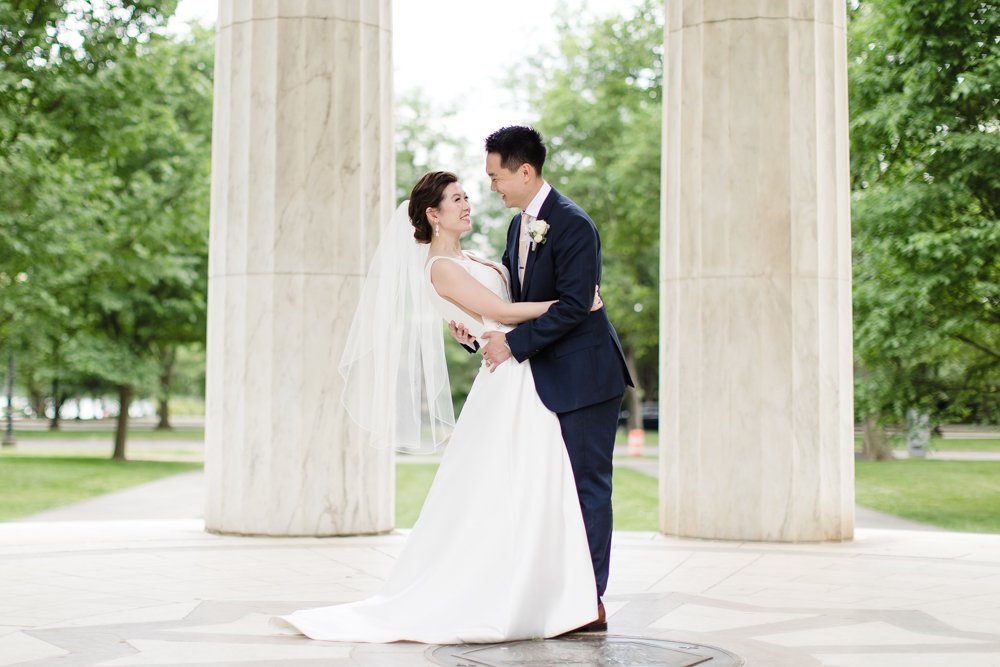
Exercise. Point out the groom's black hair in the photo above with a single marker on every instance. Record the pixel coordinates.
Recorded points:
(517, 145)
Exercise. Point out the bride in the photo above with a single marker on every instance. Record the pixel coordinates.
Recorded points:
(499, 551)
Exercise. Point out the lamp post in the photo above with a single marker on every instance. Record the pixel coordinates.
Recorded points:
(8, 436)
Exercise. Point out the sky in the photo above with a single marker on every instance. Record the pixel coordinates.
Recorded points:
(458, 53)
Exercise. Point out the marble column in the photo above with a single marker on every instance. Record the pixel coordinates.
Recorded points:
(756, 439)
(302, 179)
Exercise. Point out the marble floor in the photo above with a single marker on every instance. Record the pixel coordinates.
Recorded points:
(114, 593)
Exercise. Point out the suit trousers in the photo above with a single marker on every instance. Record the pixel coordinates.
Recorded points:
(589, 434)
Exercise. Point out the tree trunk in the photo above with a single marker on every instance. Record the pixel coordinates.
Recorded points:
(121, 427)
(38, 403)
(168, 362)
(634, 394)
(57, 402)
(875, 447)
(164, 414)
(8, 437)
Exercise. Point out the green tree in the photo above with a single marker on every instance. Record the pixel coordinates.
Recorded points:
(105, 131)
(55, 59)
(925, 150)
(599, 104)
(147, 285)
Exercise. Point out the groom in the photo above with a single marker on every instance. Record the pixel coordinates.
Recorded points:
(554, 252)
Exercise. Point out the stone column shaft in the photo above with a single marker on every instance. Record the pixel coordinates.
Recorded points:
(756, 439)
(302, 181)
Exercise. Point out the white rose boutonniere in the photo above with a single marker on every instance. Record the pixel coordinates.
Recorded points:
(537, 229)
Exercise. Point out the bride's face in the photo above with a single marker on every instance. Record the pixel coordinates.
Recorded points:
(453, 214)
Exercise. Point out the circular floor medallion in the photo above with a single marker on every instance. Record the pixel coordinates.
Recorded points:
(584, 651)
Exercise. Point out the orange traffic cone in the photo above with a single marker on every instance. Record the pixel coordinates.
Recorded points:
(636, 442)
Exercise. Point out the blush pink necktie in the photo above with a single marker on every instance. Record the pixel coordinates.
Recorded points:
(522, 248)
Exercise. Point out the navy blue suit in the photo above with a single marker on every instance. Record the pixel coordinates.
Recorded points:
(576, 359)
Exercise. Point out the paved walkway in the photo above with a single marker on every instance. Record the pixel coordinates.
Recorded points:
(133, 579)
(165, 592)
(176, 497)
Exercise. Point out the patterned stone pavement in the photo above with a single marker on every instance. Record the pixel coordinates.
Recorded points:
(164, 592)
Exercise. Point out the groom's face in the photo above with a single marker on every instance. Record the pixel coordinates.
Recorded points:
(512, 186)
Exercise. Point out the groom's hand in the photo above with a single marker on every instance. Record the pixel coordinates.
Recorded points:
(598, 301)
(495, 350)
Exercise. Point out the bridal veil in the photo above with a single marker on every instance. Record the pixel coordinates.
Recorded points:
(395, 378)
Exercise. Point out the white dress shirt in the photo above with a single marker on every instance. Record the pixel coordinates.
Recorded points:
(528, 215)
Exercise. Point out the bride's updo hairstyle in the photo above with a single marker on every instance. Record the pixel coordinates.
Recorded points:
(427, 193)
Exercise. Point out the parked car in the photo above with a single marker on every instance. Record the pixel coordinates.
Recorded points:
(650, 416)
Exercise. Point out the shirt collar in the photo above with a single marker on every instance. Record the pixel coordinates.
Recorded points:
(535, 207)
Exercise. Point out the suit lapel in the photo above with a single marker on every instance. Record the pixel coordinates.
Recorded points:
(543, 214)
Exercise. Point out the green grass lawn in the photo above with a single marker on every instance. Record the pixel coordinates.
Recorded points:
(108, 435)
(30, 484)
(956, 495)
(949, 445)
(652, 438)
(963, 445)
(937, 443)
(634, 496)
(413, 481)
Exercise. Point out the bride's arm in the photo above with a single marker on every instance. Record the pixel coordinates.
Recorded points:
(455, 284)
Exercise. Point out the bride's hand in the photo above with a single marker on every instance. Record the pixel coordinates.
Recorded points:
(598, 301)
(460, 333)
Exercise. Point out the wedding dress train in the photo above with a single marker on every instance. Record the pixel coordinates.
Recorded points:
(499, 552)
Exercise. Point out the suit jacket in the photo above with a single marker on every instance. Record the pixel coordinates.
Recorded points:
(576, 358)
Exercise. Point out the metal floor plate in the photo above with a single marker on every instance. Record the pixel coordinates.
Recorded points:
(584, 651)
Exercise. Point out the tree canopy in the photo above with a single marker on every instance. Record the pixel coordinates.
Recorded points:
(105, 128)
(599, 102)
(105, 132)
(925, 166)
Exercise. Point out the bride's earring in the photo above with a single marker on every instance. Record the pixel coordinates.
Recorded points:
(437, 230)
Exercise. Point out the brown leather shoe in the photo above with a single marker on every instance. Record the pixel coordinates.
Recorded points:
(600, 624)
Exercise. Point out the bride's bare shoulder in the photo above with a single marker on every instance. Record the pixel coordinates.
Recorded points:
(444, 270)
(432, 261)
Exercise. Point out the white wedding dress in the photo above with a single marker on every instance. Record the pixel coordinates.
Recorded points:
(499, 552)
